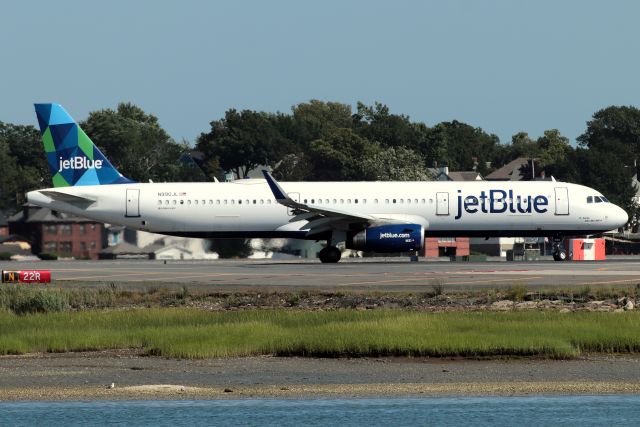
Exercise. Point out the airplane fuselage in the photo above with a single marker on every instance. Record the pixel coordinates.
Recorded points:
(247, 208)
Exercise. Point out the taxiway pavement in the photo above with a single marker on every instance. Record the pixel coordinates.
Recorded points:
(369, 274)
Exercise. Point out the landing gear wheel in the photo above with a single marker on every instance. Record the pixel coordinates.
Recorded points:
(330, 254)
(560, 255)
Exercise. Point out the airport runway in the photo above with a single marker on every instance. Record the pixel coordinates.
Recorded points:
(367, 274)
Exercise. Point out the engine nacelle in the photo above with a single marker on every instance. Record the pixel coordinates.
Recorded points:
(389, 238)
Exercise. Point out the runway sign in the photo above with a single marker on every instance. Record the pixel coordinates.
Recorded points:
(26, 276)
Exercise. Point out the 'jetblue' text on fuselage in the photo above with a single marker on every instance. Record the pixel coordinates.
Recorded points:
(501, 201)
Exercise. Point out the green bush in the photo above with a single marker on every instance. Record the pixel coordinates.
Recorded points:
(516, 293)
(5, 256)
(48, 257)
(23, 300)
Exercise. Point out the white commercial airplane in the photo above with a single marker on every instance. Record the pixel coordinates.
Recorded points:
(370, 216)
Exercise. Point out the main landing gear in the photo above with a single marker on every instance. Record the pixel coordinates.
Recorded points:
(559, 253)
(330, 254)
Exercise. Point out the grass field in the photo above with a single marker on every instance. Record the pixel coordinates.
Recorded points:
(189, 333)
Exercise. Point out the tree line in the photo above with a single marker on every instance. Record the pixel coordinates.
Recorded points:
(320, 140)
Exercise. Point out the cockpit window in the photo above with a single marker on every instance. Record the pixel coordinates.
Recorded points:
(597, 199)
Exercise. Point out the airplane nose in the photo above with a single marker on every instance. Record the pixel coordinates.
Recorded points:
(619, 217)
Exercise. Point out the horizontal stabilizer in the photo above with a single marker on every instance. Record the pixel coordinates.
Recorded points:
(67, 198)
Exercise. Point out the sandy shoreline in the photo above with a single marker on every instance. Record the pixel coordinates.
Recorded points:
(87, 376)
(178, 392)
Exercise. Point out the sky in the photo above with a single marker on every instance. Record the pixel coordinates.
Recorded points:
(505, 66)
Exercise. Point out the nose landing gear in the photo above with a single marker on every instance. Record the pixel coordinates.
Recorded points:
(559, 252)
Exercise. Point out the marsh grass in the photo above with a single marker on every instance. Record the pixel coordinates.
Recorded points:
(189, 333)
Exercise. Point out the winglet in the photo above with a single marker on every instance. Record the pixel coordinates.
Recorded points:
(277, 191)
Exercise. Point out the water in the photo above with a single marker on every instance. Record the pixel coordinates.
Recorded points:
(480, 411)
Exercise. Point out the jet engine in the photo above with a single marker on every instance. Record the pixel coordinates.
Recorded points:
(389, 238)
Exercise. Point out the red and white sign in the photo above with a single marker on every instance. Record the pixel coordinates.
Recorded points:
(26, 276)
(585, 249)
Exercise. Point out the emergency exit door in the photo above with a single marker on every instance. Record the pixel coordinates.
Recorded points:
(442, 203)
(562, 201)
(133, 203)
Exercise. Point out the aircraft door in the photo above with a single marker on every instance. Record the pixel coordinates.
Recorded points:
(562, 201)
(133, 203)
(442, 203)
(296, 198)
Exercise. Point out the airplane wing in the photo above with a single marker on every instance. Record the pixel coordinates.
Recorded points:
(321, 219)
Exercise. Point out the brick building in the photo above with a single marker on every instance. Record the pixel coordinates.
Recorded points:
(53, 232)
(446, 246)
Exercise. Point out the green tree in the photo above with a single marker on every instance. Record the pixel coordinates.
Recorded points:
(24, 166)
(603, 172)
(389, 130)
(395, 164)
(135, 143)
(315, 119)
(241, 141)
(466, 147)
(614, 127)
(523, 146)
(293, 167)
(609, 154)
(553, 152)
(338, 156)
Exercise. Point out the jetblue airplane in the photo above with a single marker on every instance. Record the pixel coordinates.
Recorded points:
(381, 217)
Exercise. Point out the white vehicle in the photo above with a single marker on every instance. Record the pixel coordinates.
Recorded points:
(370, 216)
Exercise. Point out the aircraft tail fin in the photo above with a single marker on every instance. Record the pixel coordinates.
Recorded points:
(73, 158)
